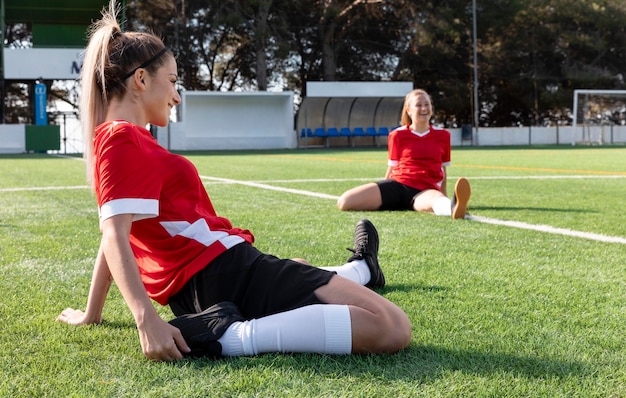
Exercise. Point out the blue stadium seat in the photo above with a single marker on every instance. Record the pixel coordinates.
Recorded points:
(333, 132)
(372, 132)
(320, 132)
(305, 134)
(346, 132)
(383, 131)
(358, 132)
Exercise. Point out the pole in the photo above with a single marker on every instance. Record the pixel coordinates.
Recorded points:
(3, 88)
(476, 105)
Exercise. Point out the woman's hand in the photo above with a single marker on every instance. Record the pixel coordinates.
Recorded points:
(161, 341)
(76, 318)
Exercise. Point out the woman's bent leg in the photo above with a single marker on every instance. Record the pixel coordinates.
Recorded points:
(353, 320)
(378, 325)
(315, 328)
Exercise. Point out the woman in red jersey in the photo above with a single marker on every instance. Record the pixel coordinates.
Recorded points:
(162, 239)
(416, 175)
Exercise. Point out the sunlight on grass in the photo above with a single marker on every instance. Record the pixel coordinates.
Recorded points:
(495, 310)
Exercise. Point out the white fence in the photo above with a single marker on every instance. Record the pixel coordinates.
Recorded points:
(262, 134)
(502, 136)
(12, 138)
(174, 137)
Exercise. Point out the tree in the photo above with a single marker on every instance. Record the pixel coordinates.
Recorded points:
(16, 107)
(341, 20)
(439, 58)
(546, 50)
(258, 13)
(532, 53)
(208, 38)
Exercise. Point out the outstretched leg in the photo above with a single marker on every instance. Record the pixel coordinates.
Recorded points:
(364, 197)
(434, 201)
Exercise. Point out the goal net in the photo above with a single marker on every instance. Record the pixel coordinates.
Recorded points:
(595, 112)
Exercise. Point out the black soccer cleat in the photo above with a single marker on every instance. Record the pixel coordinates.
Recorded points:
(201, 331)
(366, 248)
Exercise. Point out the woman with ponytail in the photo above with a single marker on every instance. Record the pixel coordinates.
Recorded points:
(162, 239)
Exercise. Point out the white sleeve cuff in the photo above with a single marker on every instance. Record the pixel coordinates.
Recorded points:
(139, 208)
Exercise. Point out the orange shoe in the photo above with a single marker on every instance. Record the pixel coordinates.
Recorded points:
(462, 192)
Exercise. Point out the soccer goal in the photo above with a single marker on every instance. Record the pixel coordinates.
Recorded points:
(595, 112)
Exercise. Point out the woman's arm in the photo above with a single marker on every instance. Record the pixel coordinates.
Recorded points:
(444, 183)
(98, 290)
(159, 340)
(388, 173)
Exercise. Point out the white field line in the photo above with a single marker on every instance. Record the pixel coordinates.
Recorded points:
(262, 185)
(216, 180)
(59, 155)
(513, 224)
(271, 187)
(554, 177)
(43, 188)
(548, 229)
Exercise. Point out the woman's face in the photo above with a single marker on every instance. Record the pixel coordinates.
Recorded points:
(420, 109)
(161, 95)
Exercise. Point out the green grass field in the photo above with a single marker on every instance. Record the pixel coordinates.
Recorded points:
(531, 309)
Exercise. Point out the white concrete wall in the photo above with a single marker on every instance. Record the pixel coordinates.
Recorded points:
(46, 63)
(178, 139)
(358, 89)
(603, 134)
(501, 136)
(232, 120)
(265, 121)
(12, 138)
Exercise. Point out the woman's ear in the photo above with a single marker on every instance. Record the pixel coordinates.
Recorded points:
(139, 78)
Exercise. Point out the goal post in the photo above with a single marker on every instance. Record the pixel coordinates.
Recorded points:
(595, 109)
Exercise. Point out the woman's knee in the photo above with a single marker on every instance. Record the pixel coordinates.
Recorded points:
(397, 332)
(385, 331)
(343, 203)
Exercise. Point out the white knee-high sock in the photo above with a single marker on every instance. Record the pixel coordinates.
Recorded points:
(318, 328)
(356, 270)
(442, 206)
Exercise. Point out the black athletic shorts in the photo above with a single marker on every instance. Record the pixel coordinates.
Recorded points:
(396, 196)
(259, 284)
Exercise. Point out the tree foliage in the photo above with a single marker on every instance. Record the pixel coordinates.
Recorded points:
(532, 54)
(545, 50)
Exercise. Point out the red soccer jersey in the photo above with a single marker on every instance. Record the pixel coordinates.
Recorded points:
(175, 231)
(419, 159)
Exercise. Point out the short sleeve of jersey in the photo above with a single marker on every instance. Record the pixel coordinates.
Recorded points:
(393, 150)
(125, 182)
(446, 159)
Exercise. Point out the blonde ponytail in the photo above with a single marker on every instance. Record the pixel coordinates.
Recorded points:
(94, 100)
(111, 57)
